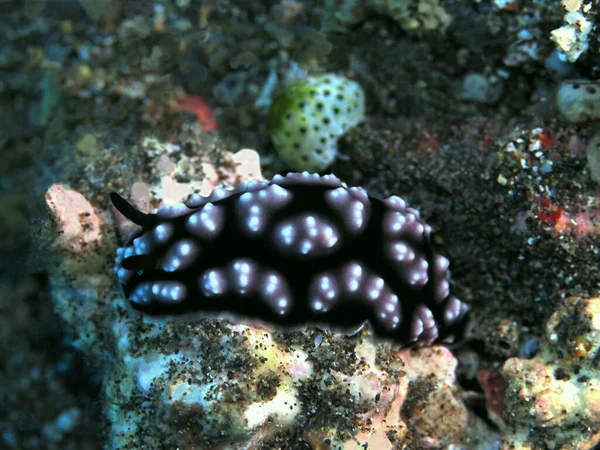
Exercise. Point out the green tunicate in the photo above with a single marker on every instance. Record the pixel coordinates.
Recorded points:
(308, 117)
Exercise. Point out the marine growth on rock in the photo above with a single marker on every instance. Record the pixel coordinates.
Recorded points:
(300, 250)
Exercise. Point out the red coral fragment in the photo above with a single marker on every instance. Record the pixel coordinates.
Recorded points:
(197, 105)
(429, 141)
(580, 223)
(493, 386)
(551, 213)
(545, 140)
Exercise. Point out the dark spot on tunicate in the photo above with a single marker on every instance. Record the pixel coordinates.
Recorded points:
(304, 158)
(336, 110)
(576, 86)
(319, 151)
(323, 140)
(301, 105)
(326, 93)
(326, 120)
(327, 80)
(583, 379)
(591, 90)
(296, 145)
(288, 116)
(320, 106)
(316, 128)
(303, 130)
(340, 97)
(313, 92)
(348, 109)
(288, 134)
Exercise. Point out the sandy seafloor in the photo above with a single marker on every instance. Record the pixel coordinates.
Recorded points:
(462, 120)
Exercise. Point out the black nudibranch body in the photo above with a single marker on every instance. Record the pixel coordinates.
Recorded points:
(302, 249)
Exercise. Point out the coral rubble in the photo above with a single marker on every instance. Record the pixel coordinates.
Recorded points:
(554, 398)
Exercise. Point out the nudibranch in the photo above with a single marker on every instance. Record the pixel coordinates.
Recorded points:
(300, 250)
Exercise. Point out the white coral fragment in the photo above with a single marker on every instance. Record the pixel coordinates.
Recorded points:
(572, 38)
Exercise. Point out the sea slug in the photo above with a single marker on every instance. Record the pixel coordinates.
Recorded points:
(303, 249)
